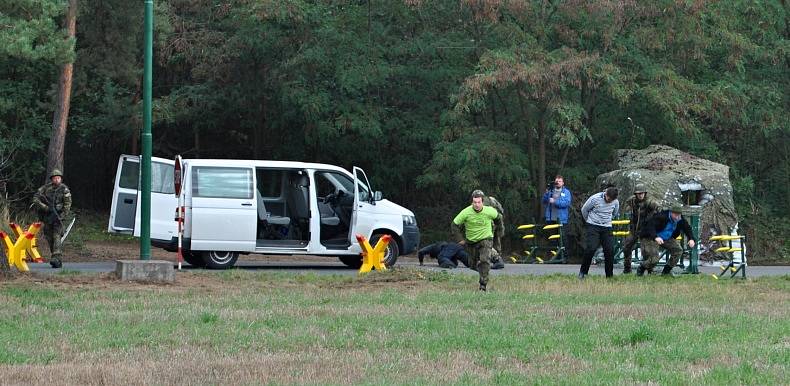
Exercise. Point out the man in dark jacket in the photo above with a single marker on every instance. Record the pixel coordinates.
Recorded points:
(642, 208)
(447, 254)
(661, 231)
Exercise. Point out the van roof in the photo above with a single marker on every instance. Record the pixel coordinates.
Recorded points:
(262, 163)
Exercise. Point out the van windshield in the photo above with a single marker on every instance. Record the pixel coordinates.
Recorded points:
(342, 182)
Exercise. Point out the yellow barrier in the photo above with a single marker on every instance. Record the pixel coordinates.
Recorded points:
(551, 226)
(722, 249)
(726, 237)
(16, 250)
(621, 222)
(373, 257)
(527, 226)
(621, 233)
(33, 250)
(554, 237)
(525, 237)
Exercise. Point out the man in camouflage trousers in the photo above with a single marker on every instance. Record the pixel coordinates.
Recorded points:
(474, 228)
(53, 203)
(499, 229)
(642, 208)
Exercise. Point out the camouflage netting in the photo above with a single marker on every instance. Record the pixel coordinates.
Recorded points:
(675, 177)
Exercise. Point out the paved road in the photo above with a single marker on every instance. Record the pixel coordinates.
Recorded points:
(336, 268)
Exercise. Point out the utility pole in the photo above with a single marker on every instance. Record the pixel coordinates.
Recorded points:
(145, 162)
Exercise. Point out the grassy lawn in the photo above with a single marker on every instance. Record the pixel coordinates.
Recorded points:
(398, 327)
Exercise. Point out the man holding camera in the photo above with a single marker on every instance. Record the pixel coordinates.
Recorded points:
(557, 200)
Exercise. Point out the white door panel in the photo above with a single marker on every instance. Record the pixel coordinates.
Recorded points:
(223, 209)
(125, 209)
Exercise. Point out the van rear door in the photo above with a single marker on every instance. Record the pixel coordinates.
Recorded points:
(124, 196)
(125, 209)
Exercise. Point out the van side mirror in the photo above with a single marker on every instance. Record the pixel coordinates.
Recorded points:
(377, 196)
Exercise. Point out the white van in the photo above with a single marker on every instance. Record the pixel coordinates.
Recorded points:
(270, 207)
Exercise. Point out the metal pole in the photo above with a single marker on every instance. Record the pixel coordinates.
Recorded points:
(145, 164)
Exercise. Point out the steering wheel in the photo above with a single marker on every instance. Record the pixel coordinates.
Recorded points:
(329, 199)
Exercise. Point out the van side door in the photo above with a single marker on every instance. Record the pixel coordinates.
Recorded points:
(223, 208)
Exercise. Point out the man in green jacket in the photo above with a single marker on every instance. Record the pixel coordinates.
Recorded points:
(53, 202)
(473, 227)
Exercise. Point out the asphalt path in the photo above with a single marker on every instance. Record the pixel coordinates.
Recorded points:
(337, 268)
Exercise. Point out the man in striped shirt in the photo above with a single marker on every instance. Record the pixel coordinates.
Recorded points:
(598, 212)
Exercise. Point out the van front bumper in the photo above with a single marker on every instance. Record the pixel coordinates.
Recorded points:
(411, 238)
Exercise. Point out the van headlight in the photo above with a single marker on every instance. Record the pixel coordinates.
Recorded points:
(409, 220)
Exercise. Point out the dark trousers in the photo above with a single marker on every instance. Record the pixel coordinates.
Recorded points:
(594, 236)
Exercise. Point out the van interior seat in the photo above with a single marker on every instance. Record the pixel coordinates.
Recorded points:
(263, 215)
(299, 196)
(328, 216)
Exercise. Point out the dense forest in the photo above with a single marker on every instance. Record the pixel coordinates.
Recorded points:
(433, 98)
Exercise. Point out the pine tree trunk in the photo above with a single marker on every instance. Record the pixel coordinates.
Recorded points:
(58, 140)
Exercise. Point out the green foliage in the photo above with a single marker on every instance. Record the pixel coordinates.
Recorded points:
(432, 98)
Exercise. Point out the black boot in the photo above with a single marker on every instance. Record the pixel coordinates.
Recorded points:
(640, 271)
(482, 287)
(667, 271)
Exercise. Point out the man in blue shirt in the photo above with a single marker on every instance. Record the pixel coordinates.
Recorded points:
(557, 200)
(661, 232)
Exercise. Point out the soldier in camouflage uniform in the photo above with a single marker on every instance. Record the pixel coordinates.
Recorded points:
(642, 208)
(53, 202)
(499, 229)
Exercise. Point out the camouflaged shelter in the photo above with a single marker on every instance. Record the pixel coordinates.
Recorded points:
(676, 177)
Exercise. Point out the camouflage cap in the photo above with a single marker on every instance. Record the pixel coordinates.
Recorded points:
(55, 172)
(676, 209)
(478, 193)
(640, 188)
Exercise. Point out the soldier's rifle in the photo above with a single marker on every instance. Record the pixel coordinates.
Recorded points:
(54, 213)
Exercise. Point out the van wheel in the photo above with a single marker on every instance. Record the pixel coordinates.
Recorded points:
(352, 261)
(194, 259)
(220, 259)
(391, 253)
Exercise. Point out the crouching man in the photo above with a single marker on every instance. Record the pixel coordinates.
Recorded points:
(661, 231)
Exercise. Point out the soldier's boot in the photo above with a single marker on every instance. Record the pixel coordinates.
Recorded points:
(626, 265)
(56, 261)
(640, 271)
(447, 264)
(482, 287)
(497, 263)
(667, 271)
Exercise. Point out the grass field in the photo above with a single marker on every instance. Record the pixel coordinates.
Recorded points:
(397, 327)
